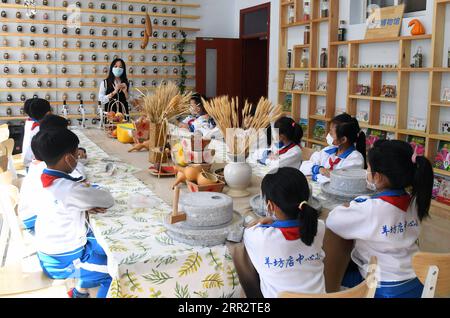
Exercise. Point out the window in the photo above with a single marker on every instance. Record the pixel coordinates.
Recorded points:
(359, 12)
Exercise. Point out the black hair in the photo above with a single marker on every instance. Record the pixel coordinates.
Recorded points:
(348, 126)
(288, 127)
(198, 100)
(111, 78)
(39, 107)
(288, 188)
(51, 145)
(26, 107)
(53, 122)
(393, 159)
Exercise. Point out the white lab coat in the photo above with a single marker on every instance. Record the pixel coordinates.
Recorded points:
(386, 230)
(291, 158)
(27, 152)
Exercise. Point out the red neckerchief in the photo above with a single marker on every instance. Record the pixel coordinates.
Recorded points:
(35, 124)
(333, 163)
(401, 202)
(47, 180)
(286, 149)
(290, 233)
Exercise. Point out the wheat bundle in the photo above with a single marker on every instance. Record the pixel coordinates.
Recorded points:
(225, 112)
(164, 103)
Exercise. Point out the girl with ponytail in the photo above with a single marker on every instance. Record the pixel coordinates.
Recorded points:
(286, 247)
(346, 150)
(387, 225)
(286, 152)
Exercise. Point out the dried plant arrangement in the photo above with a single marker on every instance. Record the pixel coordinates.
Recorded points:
(244, 125)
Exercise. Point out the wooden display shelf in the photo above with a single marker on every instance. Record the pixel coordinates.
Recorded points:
(165, 3)
(92, 37)
(320, 20)
(441, 69)
(440, 205)
(94, 76)
(315, 141)
(439, 137)
(317, 93)
(377, 127)
(441, 172)
(373, 69)
(93, 50)
(412, 132)
(70, 89)
(105, 12)
(89, 63)
(376, 98)
(294, 69)
(89, 116)
(412, 69)
(53, 103)
(290, 25)
(100, 25)
(381, 40)
(320, 117)
(440, 104)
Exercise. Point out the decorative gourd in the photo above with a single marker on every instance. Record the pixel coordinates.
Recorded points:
(418, 28)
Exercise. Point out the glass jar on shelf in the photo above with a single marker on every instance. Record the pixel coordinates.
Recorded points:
(304, 62)
(307, 35)
(306, 10)
(323, 58)
(291, 14)
(324, 9)
(342, 31)
(341, 59)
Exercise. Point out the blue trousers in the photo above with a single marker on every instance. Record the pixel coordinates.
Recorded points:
(87, 263)
(411, 288)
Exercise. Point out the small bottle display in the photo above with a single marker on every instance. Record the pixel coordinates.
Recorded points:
(289, 59)
(448, 59)
(341, 59)
(307, 35)
(306, 10)
(342, 31)
(304, 62)
(323, 58)
(291, 14)
(324, 9)
(418, 58)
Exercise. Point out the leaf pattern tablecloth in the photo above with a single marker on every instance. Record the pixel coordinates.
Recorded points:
(142, 259)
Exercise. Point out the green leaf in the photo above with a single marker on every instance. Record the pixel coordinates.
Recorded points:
(164, 239)
(227, 295)
(202, 294)
(212, 281)
(182, 292)
(214, 260)
(115, 289)
(232, 277)
(191, 264)
(132, 259)
(132, 281)
(166, 260)
(157, 277)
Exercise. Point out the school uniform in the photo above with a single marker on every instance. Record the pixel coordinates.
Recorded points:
(66, 248)
(30, 192)
(283, 261)
(289, 155)
(327, 158)
(386, 226)
(203, 123)
(30, 130)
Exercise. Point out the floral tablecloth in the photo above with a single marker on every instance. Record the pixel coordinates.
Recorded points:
(142, 259)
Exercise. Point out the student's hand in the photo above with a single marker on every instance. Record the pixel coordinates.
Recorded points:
(97, 210)
(325, 172)
(123, 87)
(266, 220)
(116, 88)
(272, 156)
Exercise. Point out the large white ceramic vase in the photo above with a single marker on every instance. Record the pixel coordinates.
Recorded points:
(238, 176)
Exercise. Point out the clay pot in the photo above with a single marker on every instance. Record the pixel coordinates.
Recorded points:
(191, 172)
(206, 178)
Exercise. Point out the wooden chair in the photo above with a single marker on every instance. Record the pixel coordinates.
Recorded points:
(433, 271)
(307, 153)
(15, 279)
(364, 290)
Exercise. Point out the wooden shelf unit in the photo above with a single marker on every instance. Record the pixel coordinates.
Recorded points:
(435, 72)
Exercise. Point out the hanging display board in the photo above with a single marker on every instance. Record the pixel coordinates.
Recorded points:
(384, 22)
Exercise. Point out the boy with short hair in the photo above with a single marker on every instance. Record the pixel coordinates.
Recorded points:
(66, 246)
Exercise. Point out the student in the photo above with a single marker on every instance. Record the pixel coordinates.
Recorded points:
(37, 108)
(198, 120)
(66, 247)
(31, 184)
(286, 153)
(287, 251)
(387, 225)
(346, 150)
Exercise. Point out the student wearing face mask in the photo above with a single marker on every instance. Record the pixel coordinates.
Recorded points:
(346, 150)
(116, 87)
(387, 225)
(198, 120)
(287, 151)
(66, 246)
(286, 249)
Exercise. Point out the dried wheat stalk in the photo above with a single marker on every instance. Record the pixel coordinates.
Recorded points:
(225, 112)
(164, 103)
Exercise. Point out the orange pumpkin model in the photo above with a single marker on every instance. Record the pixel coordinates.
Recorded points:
(418, 28)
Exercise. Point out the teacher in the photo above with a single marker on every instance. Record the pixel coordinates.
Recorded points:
(116, 87)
